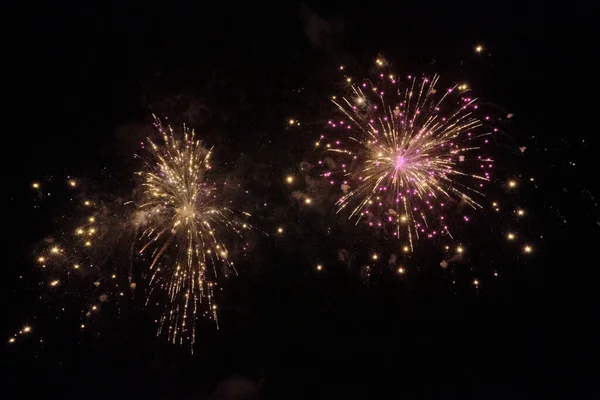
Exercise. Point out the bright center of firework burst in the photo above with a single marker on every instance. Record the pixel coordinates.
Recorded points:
(400, 162)
(186, 211)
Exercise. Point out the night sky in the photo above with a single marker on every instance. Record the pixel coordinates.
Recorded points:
(81, 81)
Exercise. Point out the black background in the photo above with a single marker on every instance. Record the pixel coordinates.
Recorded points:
(81, 78)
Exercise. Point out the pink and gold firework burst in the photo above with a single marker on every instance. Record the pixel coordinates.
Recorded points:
(406, 154)
(185, 230)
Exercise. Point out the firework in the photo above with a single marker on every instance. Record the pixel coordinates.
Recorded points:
(405, 152)
(185, 228)
(177, 228)
(81, 258)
